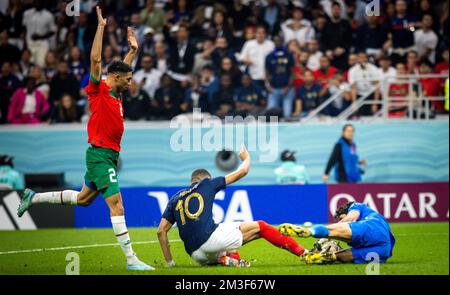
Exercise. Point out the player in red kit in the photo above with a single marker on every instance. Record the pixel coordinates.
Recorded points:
(105, 129)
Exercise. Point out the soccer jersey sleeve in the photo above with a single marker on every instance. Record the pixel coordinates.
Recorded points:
(356, 207)
(93, 85)
(218, 183)
(168, 213)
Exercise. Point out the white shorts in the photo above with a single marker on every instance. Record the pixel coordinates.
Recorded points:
(226, 237)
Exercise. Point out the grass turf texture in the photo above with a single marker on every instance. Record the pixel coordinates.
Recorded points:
(422, 248)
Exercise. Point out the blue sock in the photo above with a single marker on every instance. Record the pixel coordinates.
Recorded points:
(319, 231)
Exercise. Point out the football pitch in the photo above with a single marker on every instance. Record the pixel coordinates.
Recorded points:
(421, 248)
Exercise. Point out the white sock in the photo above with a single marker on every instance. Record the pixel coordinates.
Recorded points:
(63, 198)
(121, 232)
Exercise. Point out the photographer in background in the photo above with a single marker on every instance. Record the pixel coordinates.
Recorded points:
(9, 178)
(290, 172)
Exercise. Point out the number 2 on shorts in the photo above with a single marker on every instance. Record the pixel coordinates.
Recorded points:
(112, 175)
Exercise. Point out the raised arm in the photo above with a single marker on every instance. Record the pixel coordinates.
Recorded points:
(96, 52)
(243, 168)
(132, 42)
(164, 228)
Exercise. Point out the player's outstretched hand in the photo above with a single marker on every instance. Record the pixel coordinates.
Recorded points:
(243, 154)
(132, 41)
(101, 20)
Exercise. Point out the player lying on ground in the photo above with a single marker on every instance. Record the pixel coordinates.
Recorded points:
(105, 129)
(209, 243)
(365, 230)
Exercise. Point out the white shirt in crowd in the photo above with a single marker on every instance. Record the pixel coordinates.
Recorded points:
(29, 107)
(257, 53)
(302, 35)
(363, 77)
(152, 80)
(386, 77)
(423, 41)
(38, 22)
(314, 61)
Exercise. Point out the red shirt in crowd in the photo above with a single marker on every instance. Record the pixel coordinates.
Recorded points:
(322, 77)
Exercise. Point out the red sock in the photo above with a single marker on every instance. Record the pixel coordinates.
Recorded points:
(272, 235)
(234, 255)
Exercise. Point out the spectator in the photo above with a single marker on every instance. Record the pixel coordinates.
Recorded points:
(298, 29)
(152, 16)
(8, 85)
(229, 68)
(290, 172)
(161, 59)
(66, 111)
(181, 55)
(10, 53)
(431, 87)
(325, 71)
(137, 104)
(84, 33)
(63, 83)
(203, 58)
(223, 102)
(386, 73)
(24, 64)
(28, 105)
(426, 40)
(181, 13)
(401, 36)
(10, 179)
(370, 37)
(399, 93)
(51, 65)
(254, 55)
(279, 67)
(40, 26)
(221, 51)
(195, 97)
(138, 27)
(314, 55)
(308, 96)
(345, 159)
(271, 16)
(168, 98)
(237, 14)
(209, 82)
(412, 62)
(352, 61)
(339, 87)
(363, 78)
(220, 27)
(337, 37)
(442, 67)
(41, 82)
(76, 63)
(425, 8)
(249, 99)
(148, 78)
(14, 16)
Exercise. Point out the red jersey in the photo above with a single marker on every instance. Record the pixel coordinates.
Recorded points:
(105, 127)
(322, 77)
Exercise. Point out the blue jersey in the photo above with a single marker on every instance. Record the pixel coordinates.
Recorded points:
(280, 63)
(370, 233)
(191, 209)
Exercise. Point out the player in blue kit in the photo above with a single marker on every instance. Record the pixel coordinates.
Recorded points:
(366, 231)
(205, 241)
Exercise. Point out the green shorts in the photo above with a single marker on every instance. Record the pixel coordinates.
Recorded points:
(101, 174)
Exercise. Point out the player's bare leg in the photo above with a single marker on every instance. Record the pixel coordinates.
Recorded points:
(119, 226)
(260, 229)
(66, 197)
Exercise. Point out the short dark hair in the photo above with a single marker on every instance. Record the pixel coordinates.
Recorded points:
(346, 126)
(335, 3)
(343, 209)
(119, 66)
(199, 174)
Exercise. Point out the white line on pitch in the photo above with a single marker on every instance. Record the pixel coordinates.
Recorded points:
(78, 247)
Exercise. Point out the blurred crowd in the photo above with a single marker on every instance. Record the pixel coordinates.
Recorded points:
(232, 57)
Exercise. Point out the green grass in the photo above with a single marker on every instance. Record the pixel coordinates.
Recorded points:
(422, 248)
